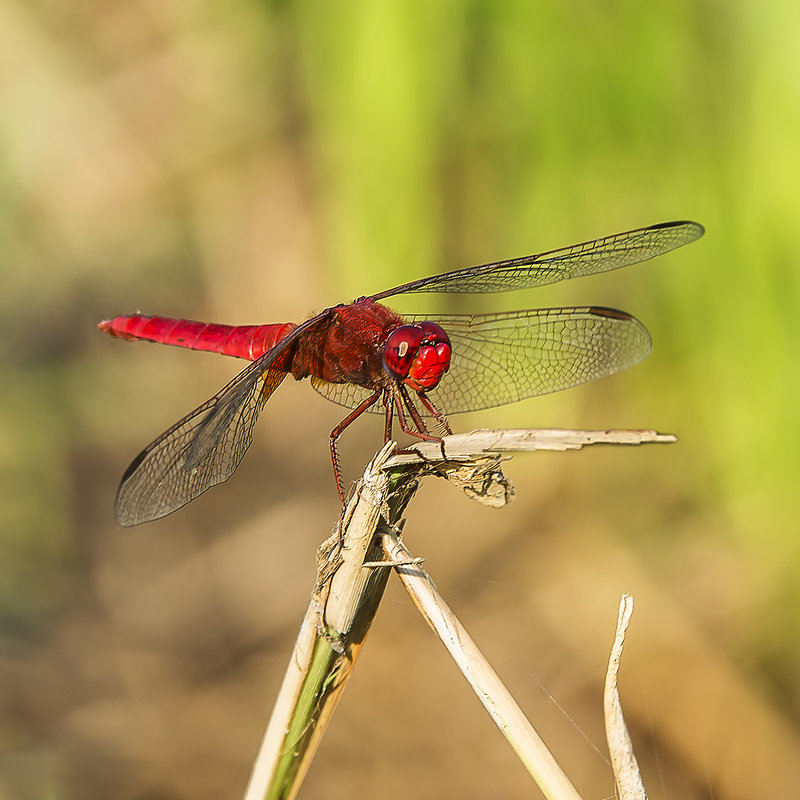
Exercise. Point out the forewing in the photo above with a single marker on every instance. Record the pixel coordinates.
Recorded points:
(198, 452)
(587, 258)
(503, 358)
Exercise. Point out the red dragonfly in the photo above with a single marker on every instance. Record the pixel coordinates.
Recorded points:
(369, 358)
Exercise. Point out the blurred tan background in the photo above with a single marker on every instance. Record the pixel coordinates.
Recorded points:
(254, 162)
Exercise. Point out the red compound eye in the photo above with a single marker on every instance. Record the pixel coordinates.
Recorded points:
(400, 349)
(418, 355)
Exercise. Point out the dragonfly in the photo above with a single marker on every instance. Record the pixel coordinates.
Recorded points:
(416, 369)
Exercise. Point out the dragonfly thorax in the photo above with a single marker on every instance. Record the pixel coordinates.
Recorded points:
(418, 355)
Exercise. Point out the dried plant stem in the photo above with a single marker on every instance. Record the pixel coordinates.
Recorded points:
(486, 684)
(623, 761)
(338, 618)
(350, 584)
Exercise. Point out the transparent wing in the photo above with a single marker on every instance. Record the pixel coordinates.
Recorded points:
(345, 394)
(503, 358)
(587, 258)
(207, 445)
(197, 452)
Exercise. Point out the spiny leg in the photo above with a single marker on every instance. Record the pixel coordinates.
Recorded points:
(397, 400)
(438, 416)
(337, 432)
(422, 431)
(434, 412)
(401, 398)
(388, 405)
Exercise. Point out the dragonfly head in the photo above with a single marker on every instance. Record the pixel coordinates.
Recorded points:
(418, 355)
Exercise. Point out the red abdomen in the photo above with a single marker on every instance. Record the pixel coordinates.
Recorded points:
(242, 341)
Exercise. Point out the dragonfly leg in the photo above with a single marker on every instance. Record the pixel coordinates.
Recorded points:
(337, 432)
(397, 399)
(397, 402)
(389, 406)
(403, 399)
(434, 412)
(438, 416)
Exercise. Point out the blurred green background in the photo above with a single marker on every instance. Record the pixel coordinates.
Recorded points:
(254, 162)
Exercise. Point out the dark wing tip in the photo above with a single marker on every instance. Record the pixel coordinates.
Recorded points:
(695, 228)
(613, 313)
(134, 465)
(129, 511)
(644, 340)
(127, 515)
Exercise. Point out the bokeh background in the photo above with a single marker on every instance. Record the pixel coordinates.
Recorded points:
(254, 162)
